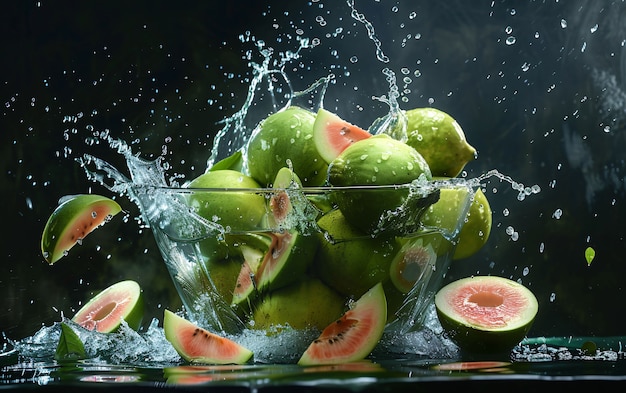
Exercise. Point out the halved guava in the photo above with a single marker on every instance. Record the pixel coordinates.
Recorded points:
(486, 314)
(353, 336)
(332, 134)
(105, 311)
(197, 345)
(73, 219)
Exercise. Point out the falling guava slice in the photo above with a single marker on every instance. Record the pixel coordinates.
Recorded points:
(332, 134)
(376, 161)
(280, 204)
(306, 304)
(237, 211)
(486, 314)
(285, 137)
(440, 140)
(105, 311)
(197, 345)
(348, 260)
(353, 336)
(73, 219)
(444, 214)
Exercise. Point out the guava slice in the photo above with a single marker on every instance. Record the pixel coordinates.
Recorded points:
(245, 285)
(414, 262)
(105, 311)
(353, 336)
(197, 345)
(287, 259)
(73, 219)
(332, 134)
(486, 314)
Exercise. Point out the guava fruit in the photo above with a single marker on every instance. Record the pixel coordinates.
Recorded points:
(236, 211)
(415, 262)
(245, 289)
(477, 223)
(285, 137)
(289, 256)
(440, 139)
(332, 134)
(376, 161)
(105, 311)
(73, 219)
(348, 260)
(306, 304)
(486, 314)
(197, 345)
(353, 336)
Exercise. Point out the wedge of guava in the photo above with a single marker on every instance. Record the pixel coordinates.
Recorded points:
(73, 219)
(486, 314)
(105, 311)
(197, 345)
(332, 134)
(353, 336)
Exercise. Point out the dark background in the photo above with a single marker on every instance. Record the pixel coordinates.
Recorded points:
(547, 110)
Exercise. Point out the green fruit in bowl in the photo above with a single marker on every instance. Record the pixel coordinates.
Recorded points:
(235, 211)
(476, 225)
(349, 260)
(376, 161)
(440, 139)
(306, 304)
(285, 138)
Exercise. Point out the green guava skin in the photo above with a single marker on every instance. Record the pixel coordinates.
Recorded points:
(308, 303)
(64, 228)
(243, 211)
(440, 139)
(285, 136)
(445, 214)
(379, 160)
(353, 262)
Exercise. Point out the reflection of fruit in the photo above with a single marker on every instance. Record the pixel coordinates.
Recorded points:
(105, 311)
(285, 136)
(353, 336)
(197, 345)
(440, 139)
(305, 304)
(332, 135)
(234, 210)
(379, 160)
(72, 220)
(352, 262)
(415, 261)
(486, 313)
(477, 225)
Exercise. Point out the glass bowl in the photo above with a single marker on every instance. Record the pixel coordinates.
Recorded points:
(228, 249)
